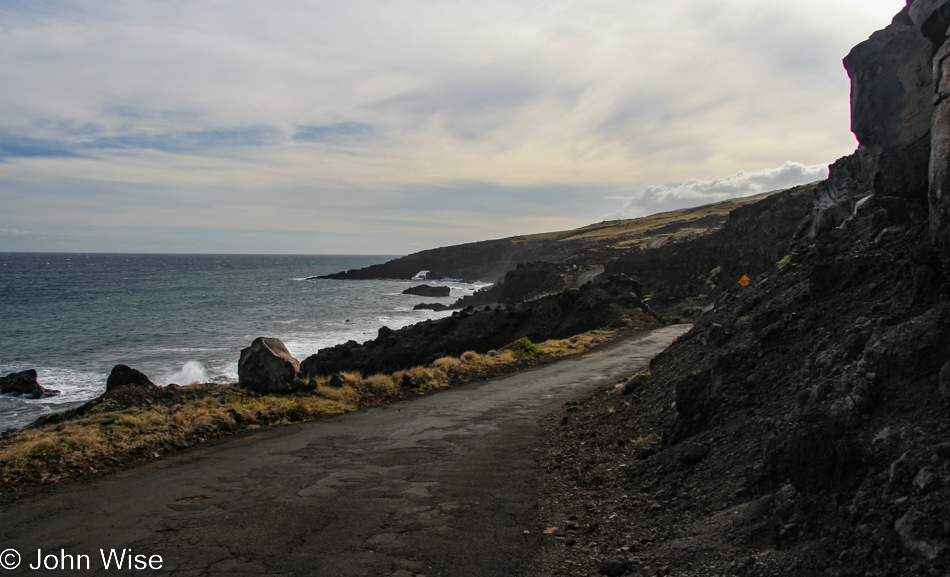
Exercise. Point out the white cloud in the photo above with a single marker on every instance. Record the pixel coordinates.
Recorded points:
(14, 234)
(695, 192)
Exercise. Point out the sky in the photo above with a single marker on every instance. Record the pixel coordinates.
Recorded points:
(391, 126)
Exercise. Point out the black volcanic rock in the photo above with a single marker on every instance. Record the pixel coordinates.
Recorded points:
(753, 239)
(428, 291)
(126, 376)
(613, 302)
(25, 383)
(432, 307)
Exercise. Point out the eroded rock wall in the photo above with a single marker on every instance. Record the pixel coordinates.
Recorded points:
(900, 114)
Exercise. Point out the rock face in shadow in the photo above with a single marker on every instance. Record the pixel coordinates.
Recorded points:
(753, 239)
(428, 291)
(613, 303)
(126, 376)
(900, 114)
(25, 383)
(268, 367)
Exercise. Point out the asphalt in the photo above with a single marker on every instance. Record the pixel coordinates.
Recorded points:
(443, 485)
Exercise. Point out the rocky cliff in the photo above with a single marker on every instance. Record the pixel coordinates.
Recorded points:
(685, 274)
(803, 426)
(590, 246)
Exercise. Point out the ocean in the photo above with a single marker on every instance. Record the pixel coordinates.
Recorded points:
(179, 318)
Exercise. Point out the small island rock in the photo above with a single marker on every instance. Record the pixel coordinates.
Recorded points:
(25, 383)
(425, 290)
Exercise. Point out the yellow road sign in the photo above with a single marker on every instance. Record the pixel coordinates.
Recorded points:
(744, 281)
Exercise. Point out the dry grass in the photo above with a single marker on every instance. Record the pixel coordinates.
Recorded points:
(107, 437)
(111, 435)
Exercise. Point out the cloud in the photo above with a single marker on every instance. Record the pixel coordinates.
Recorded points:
(695, 192)
(190, 142)
(14, 234)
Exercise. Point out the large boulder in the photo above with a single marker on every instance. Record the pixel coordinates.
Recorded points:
(24, 383)
(268, 367)
(126, 376)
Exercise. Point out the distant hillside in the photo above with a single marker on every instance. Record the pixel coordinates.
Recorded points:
(587, 247)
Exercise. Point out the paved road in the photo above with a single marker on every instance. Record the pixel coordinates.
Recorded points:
(442, 485)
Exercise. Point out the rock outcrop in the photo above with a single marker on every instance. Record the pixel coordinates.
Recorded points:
(428, 291)
(126, 376)
(267, 367)
(25, 383)
(613, 303)
(900, 114)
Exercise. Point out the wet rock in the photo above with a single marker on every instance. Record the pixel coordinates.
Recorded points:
(428, 291)
(25, 383)
(268, 367)
(613, 567)
(126, 376)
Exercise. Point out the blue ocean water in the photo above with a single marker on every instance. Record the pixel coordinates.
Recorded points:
(178, 318)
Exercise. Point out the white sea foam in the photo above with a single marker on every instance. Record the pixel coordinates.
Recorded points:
(191, 372)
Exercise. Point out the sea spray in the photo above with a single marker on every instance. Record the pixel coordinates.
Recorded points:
(192, 372)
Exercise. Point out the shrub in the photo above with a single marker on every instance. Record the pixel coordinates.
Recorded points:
(523, 348)
(784, 262)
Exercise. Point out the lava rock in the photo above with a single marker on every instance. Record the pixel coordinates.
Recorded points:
(125, 376)
(613, 567)
(431, 307)
(916, 531)
(428, 291)
(25, 383)
(903, 469)
(268, 367)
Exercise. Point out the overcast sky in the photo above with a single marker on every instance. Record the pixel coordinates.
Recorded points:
(386, 127)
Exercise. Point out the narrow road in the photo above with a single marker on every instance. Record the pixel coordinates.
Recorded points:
(443, 485)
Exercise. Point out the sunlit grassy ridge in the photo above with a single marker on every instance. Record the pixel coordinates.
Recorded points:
(111, 435)
(623, 231)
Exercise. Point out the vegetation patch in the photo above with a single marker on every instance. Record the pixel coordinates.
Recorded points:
(523, 348)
